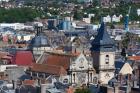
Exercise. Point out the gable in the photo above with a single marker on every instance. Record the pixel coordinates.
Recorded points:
(126, 69)
(81, 62)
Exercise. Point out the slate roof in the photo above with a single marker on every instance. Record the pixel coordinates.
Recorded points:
(40, 40)
(102, 41)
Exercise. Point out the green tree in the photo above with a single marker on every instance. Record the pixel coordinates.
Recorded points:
(18, 15)
(77, 15)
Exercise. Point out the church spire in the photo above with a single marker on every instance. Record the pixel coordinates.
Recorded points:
(102, 41)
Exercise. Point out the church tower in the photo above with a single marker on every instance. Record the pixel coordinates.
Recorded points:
(103, 53)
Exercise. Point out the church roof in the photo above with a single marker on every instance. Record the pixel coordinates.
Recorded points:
(39, 40)
(102, 41)
(102, 38)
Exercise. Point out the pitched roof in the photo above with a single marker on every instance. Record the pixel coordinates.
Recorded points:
(102, 41)
(49, 69)
(103, 37)
(24, 58)
(55, 59)
(126, 69)
(134, 58)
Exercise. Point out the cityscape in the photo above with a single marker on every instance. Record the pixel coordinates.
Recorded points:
(69, 46)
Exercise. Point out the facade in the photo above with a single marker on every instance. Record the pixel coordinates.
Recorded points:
(103, 52)
(81, 71)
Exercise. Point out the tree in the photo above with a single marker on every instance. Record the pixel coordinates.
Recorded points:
(77, 15)
(18, 15)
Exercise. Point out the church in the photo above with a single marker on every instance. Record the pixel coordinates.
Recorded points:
(101, 68)
(95, 67)
(103, 54)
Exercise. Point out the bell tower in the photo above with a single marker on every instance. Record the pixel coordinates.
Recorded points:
(103, 53)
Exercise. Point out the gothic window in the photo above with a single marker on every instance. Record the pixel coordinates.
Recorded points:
(107, 59)
(90, 77)
(73, 78)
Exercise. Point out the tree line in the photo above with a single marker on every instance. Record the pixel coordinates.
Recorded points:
(18, 15)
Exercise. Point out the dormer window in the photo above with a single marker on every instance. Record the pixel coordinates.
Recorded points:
(107, 59)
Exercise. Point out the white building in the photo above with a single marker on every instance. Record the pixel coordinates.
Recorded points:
(107, 19)
(4, 67)
(138, 12)
(4, 0)
(15, 26)
(87, 20)
(115, 18)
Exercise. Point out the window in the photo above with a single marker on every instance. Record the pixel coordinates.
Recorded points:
(107, 59)
(34, 74)
(90, 77)
(95, 80)
(65, 80)
(73, 78)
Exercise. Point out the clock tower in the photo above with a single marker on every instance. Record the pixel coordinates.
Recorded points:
(103, 53)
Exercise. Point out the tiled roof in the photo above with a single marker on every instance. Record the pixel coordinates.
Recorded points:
(55, 59)
(49, 69)
(2, 54)
(58, 59)
(7, 57)
(24, 58)
(136, 58)
(29, 82)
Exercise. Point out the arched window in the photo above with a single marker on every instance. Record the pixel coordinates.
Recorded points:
(90, 77)
(107, 59)
(95, 80)
(74, 78)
